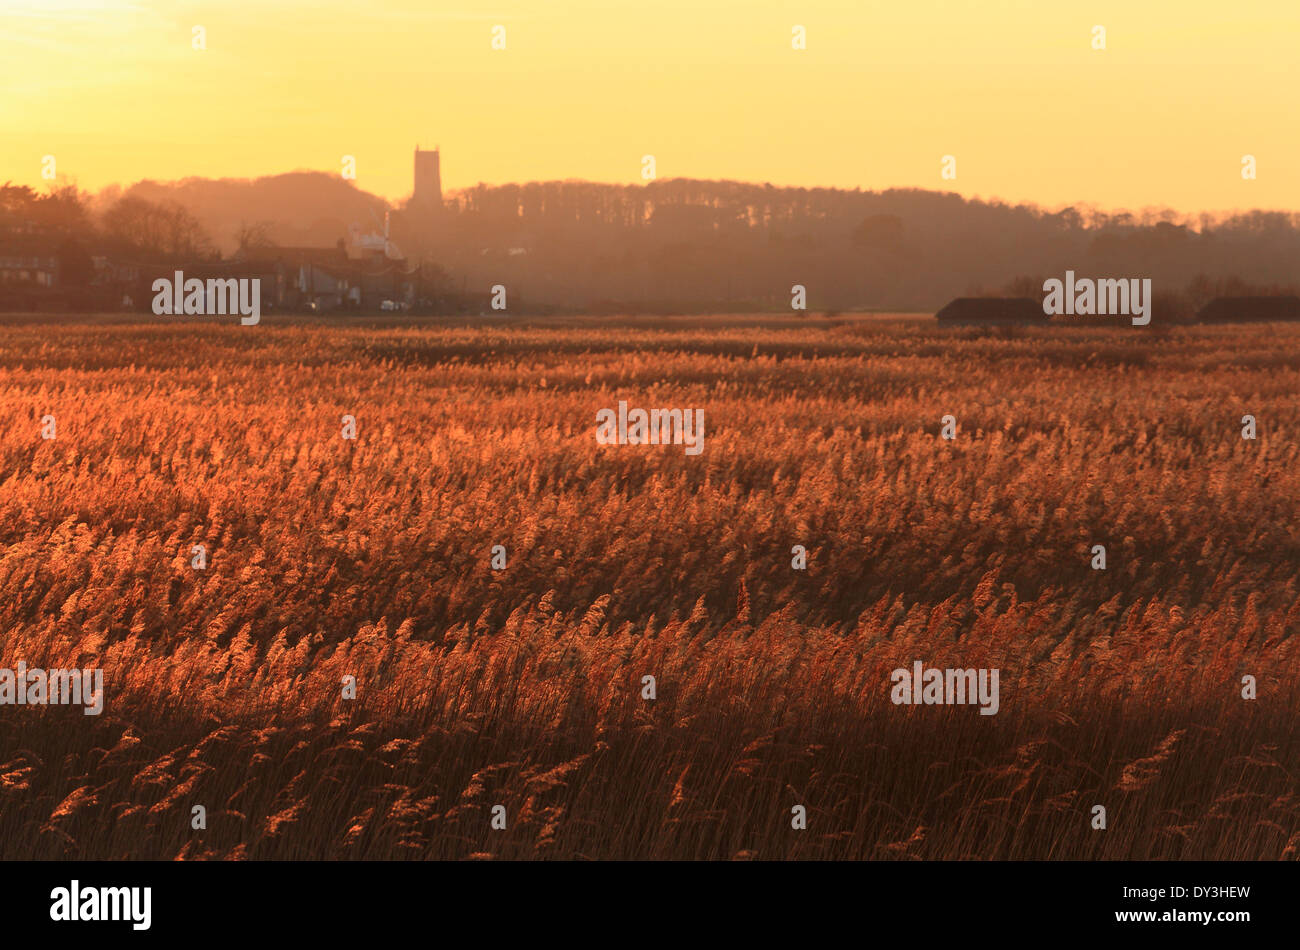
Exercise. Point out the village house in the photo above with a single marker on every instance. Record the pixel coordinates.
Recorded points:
(31, 260)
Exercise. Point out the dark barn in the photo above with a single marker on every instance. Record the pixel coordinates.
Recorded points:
(987, 310)
(1250, 309)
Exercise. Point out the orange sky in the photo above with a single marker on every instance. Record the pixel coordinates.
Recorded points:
(115, 91)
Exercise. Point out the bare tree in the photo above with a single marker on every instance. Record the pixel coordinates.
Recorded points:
(161, 229)
(254, 236)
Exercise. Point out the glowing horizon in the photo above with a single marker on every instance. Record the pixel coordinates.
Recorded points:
(1161, 118)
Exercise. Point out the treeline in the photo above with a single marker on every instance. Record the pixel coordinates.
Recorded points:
(680, 245)
(705, 244)
(73, 223)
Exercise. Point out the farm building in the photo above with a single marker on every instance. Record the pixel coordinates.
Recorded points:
(1250, 309)
(992, 310)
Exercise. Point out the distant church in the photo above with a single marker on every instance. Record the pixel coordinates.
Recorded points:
(421, 221)
(427, 199)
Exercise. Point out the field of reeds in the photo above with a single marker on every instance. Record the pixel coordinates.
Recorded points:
(522, 687)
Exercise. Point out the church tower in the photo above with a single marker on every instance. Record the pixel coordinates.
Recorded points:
(428, 181)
